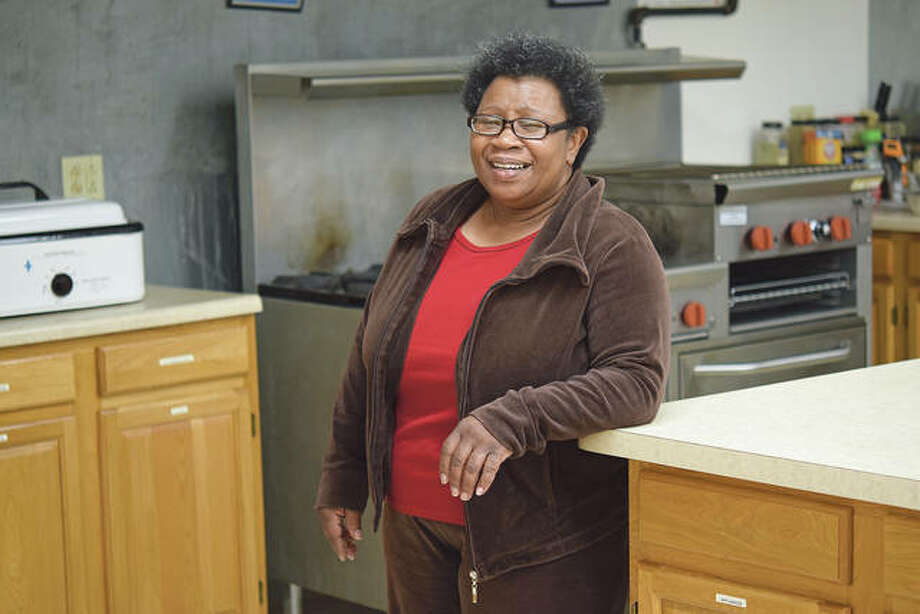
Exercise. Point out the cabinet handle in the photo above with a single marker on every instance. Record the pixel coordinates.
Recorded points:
(181, 359)
(4, 437)
(773, 364)
(4, 387)
(178, 410)
(738, 602)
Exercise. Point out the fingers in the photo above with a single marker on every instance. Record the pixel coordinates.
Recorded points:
(470, 459)
(329, 522)
(489, 471)
(469, 476)
(447, 453)
(353, 524)
(341, 528)
(455, 466)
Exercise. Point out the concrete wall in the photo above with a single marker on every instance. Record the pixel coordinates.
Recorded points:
(149, 85)
(813, 52)
(894, 51)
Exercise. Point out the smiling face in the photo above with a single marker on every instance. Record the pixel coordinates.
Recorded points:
(519, 173)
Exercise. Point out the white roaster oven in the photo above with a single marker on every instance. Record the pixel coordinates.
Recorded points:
(68, 254)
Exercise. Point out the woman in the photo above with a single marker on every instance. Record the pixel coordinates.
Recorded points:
(515, 312)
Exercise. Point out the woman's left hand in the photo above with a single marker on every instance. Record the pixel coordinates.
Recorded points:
(470, 458)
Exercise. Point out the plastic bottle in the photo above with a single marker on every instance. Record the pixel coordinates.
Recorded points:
(770, 147)
(872, 139)
(851, 127)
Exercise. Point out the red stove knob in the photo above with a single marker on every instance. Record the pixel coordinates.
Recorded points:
(760, 238)
(841, 228)
(800, 233)
(693, 314)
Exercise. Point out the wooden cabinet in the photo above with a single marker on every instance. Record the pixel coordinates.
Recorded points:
(670, 591)
(701, 543)
(901, 563)
(172, 359)
(36, 380)
(42, 547)
(895, 296)
(131, 476)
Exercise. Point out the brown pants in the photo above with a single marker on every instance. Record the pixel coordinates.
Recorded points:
(428, 572)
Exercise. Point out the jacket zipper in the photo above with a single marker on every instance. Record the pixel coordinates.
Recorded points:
(461, 410)
(378, 496)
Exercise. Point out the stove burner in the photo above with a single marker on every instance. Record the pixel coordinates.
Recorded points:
(350, 288)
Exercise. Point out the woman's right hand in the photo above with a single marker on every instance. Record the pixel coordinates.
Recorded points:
(342, 527)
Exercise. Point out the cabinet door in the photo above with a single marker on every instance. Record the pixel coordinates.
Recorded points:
(884, 319)
(901, 560)
(884, 261)
(41, 544)
(913, 323)
(669, 591)
(179, 506)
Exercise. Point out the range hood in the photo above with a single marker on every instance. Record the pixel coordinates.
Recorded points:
(403, 76)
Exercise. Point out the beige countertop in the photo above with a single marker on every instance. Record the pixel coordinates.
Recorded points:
(898, 220)
(162, 306)
(853, 434)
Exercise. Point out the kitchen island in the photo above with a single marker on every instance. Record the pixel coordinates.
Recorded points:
(130, 457)
(802, 496)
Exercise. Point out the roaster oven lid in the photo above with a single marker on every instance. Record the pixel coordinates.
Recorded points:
(56, 215)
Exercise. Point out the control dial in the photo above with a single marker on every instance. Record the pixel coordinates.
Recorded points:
(693, 314)
(841, 228)
(61, 284)
(760, 238)
(821, 229)
(800, 233)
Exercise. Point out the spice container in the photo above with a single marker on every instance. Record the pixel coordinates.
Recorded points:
(823, 143)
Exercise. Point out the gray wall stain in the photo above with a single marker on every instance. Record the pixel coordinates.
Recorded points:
(894, 46)
(149, 85)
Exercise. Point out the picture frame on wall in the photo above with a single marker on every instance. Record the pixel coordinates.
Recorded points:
(555, 3)
(268, 5)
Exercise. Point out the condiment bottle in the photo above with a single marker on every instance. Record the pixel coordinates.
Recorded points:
(770, 147)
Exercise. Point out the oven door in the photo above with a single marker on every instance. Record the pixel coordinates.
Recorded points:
(746, 364)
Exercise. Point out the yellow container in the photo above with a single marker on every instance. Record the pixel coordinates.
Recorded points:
(822, 146)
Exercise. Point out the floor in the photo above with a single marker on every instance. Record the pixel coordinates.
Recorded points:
(313, 603)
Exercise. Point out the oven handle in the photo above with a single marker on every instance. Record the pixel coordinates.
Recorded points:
(774, 364)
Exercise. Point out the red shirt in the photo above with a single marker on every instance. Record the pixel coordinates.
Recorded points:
(426, 402)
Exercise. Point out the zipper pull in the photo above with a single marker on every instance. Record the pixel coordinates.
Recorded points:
(474, 585)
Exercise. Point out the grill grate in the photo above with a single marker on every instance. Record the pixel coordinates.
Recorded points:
(797, 286)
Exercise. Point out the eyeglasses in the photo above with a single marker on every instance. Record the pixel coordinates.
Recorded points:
(522, 127)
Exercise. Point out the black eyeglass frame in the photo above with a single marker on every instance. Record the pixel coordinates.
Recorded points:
(550, 128)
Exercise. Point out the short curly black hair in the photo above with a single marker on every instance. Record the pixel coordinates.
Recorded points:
(519, 54)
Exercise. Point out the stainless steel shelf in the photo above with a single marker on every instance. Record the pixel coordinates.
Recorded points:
(406, 76)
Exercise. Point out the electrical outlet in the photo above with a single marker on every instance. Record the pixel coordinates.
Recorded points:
(83, 176)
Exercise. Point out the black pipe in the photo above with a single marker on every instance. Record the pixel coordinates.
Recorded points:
(636, 15)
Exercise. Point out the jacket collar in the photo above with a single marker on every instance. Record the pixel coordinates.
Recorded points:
(561, 241)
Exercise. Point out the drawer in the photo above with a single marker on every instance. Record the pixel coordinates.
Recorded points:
(37, 380)
(901, 552)
(670, 591)
(172, 359)
(767, 530)
(748, 364)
